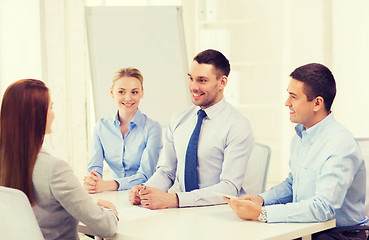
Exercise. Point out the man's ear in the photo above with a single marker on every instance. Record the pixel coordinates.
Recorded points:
(318, 103)
(223, 82)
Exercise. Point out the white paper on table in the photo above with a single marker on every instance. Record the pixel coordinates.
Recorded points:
(136, 212)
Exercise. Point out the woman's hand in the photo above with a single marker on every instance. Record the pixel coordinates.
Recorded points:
(108, 205)
(93, 183)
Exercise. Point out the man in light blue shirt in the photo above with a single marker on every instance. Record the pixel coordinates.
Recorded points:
(327, 178)
(224, 147)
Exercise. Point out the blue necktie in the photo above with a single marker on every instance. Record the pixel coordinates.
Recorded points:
(191, 178)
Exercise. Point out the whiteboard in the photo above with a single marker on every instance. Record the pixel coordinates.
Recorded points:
(150, 39)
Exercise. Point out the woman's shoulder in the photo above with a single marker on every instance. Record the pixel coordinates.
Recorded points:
(151, 122)
(105, 123)
(47, 167)
(47, 162)
(151, 126)
(106, 120)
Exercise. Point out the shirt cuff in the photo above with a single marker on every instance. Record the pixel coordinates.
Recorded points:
(121, 183)
(186, 199)
(275, 213)
(268, 198)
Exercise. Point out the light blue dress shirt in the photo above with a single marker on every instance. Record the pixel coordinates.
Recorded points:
(327, 178)
(225, 145)
(133, 158)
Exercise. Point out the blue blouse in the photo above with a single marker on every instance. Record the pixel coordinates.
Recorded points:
(133, 158)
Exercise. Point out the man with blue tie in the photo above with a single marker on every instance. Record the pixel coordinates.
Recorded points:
(206, 147)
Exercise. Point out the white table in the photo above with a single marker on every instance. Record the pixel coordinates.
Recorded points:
(211, 222)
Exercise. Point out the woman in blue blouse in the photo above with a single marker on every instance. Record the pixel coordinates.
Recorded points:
(129, 141)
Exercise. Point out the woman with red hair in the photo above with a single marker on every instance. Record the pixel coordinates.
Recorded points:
(58, 199)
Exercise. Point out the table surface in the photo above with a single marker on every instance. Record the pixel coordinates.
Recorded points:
(210, 222)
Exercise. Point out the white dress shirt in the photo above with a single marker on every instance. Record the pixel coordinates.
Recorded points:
(225, 144)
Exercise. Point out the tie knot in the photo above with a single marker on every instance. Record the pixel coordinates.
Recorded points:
(201, 114)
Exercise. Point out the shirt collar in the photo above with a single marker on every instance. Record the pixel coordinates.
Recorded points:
(212, 111)
(138, 119)
(312, 132)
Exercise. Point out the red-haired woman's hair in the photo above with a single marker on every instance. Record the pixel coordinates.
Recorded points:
(22, 128)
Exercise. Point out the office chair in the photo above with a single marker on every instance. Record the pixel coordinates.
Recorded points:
(17, 218)
(364, 146)
(257, 169)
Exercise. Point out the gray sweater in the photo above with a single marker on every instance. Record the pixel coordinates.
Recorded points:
(61, 202)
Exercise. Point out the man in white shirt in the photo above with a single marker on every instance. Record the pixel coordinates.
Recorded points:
(224, 146)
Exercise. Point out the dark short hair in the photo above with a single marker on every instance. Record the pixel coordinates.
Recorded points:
(319, 81)
(215, 58)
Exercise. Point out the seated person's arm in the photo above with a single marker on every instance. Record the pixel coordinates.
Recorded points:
(95, 163)
(246, 207)
(328, 191)
(149, 160)
(239, 145)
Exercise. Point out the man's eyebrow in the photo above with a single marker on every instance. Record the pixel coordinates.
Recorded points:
(198, 77)
(292, 93)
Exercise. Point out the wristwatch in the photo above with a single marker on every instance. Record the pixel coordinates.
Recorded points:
(263, 215)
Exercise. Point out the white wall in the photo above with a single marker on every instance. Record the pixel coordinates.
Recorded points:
(335, 33)
(20, 41)
(296, 32)
(307, 39)
(351, 64)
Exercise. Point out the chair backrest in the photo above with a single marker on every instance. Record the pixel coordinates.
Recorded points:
(17, 218)
(364, 145)
(257, 169)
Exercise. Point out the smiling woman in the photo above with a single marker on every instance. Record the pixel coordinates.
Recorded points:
(127, 91)
(129, 141)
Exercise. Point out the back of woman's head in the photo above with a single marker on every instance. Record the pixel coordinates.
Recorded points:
(22, 128)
